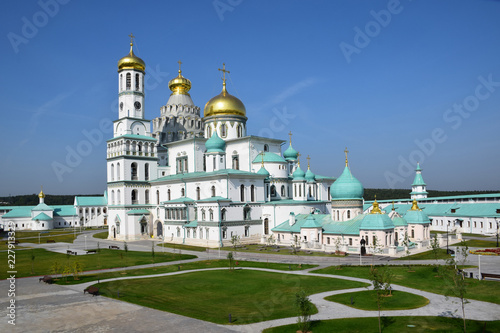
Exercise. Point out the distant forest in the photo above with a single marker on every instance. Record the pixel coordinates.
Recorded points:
(382, 194)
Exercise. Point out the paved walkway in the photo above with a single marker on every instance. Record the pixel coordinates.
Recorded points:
(54, 308)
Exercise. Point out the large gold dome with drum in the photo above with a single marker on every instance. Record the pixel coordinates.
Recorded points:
(224, 104)
(131, 61)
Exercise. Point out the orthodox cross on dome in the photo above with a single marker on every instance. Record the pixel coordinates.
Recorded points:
(290, 135)
(180, 63)
(131, 39)
(262, 154)
(308, 160)
(224, 71)
(298, 158)
(346, 152)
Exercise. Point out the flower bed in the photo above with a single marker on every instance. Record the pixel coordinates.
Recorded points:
(487, 252)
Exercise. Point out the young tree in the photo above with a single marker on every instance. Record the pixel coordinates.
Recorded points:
(406, 244)
(376, 247)
(77, 269)
(377, 280)
(230, 257)
(270, 240)
(338, 243)
(235, 241)
(454, 279)
(435, 251)
(305, 309)
(125, 247)
(55, 268)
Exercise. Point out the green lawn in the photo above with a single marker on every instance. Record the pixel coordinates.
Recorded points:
(284, 250)
(474, 235)
(102, 235)
(367, 300)
(394, 325)
(183, 247)
(423, 278)
(58, 235)
(428, 255)
(183, 267)
(249, 296)
(44, 260)
(479, 243)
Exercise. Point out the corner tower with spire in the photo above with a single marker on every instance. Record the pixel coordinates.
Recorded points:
(418, 188)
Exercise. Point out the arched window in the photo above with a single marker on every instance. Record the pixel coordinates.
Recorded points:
(242, 193)
(146, 171)
(209, 131)
(118, 197)
(213, 191)
(146, 196)
(223, 130)
(133, 171)
(137, 82)
(113, 197)
(246, 213)
(157, 197)
(112, 172)
(348, 214)
(338, 216)
(121, 82)
(223, 215)
(240, 131)
(129, 83)
(203, 215)
(412, 233)
(201, 233)
(236, 162)
(266, 148)
(178, 232)
(300, 190)
(134, 196)
(198, 196)
(310, 193)
(118, 171)
(295, 189)
(252, 193)
(282, 190)
(266, 227)
(211, 212)
(273, 190)
(183, 192)
(169, 197)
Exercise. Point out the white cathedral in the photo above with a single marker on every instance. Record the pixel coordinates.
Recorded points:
(201, 180)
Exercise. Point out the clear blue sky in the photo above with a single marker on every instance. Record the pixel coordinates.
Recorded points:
(377, 77)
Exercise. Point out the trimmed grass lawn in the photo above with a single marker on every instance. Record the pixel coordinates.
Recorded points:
(102, 235)
(479, 243)
(183, 267)
(423, 278)
(249, 296)
(284, 250)
(474, 235)
(394, 325)
(105, 259)
(428, 255)
(58, 235)
(367, 300)
(183, 247)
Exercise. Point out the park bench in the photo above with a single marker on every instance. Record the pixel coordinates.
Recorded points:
(91, 290)
(50, 241)
(114, 247)
(489, 276)
(46, 279)
(71, 252)
(91, 251)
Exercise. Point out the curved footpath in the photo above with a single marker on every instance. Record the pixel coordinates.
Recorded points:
(42, 308)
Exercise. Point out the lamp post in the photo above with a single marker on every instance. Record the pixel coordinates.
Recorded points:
(498, 224)
(85, 242)
(447, 224)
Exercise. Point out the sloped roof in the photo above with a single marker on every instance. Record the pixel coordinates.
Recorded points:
(138, 212)
(91, 201)
(42, 217)
(445, 209)
(201, 174)
(42, 207)
(269, 157)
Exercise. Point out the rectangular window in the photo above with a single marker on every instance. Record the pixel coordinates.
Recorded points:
(350, 241)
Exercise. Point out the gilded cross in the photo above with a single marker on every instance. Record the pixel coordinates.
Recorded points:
(180, 63)
(131, 38)
(262, 154)
(224, 71)
(298, 157)
(290, 135)
(346, 151)
(308, 160)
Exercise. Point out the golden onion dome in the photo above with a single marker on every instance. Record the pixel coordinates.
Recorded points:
(224, 104)
(41, 194)
(179, 85)
(131, 61)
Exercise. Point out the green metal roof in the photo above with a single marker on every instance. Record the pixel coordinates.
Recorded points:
(192, 224)
(215, 199)
(19, 211)
(178, 200)
(201, 174)
(25, 211)
(376, 222)
(292, 202)
(269, 158)
(91, 201)
(350, 227)
(138, 212)
(445, 209)
(320, 178)
(399, 221)
(416, 217)
(418, 180)
(42, 217)
(133, 137)
(311, 222)
(215, 144)
(346, 187)
(454, 197)
(42, 207)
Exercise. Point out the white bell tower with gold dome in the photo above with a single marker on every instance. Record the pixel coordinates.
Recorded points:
(225, 114)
